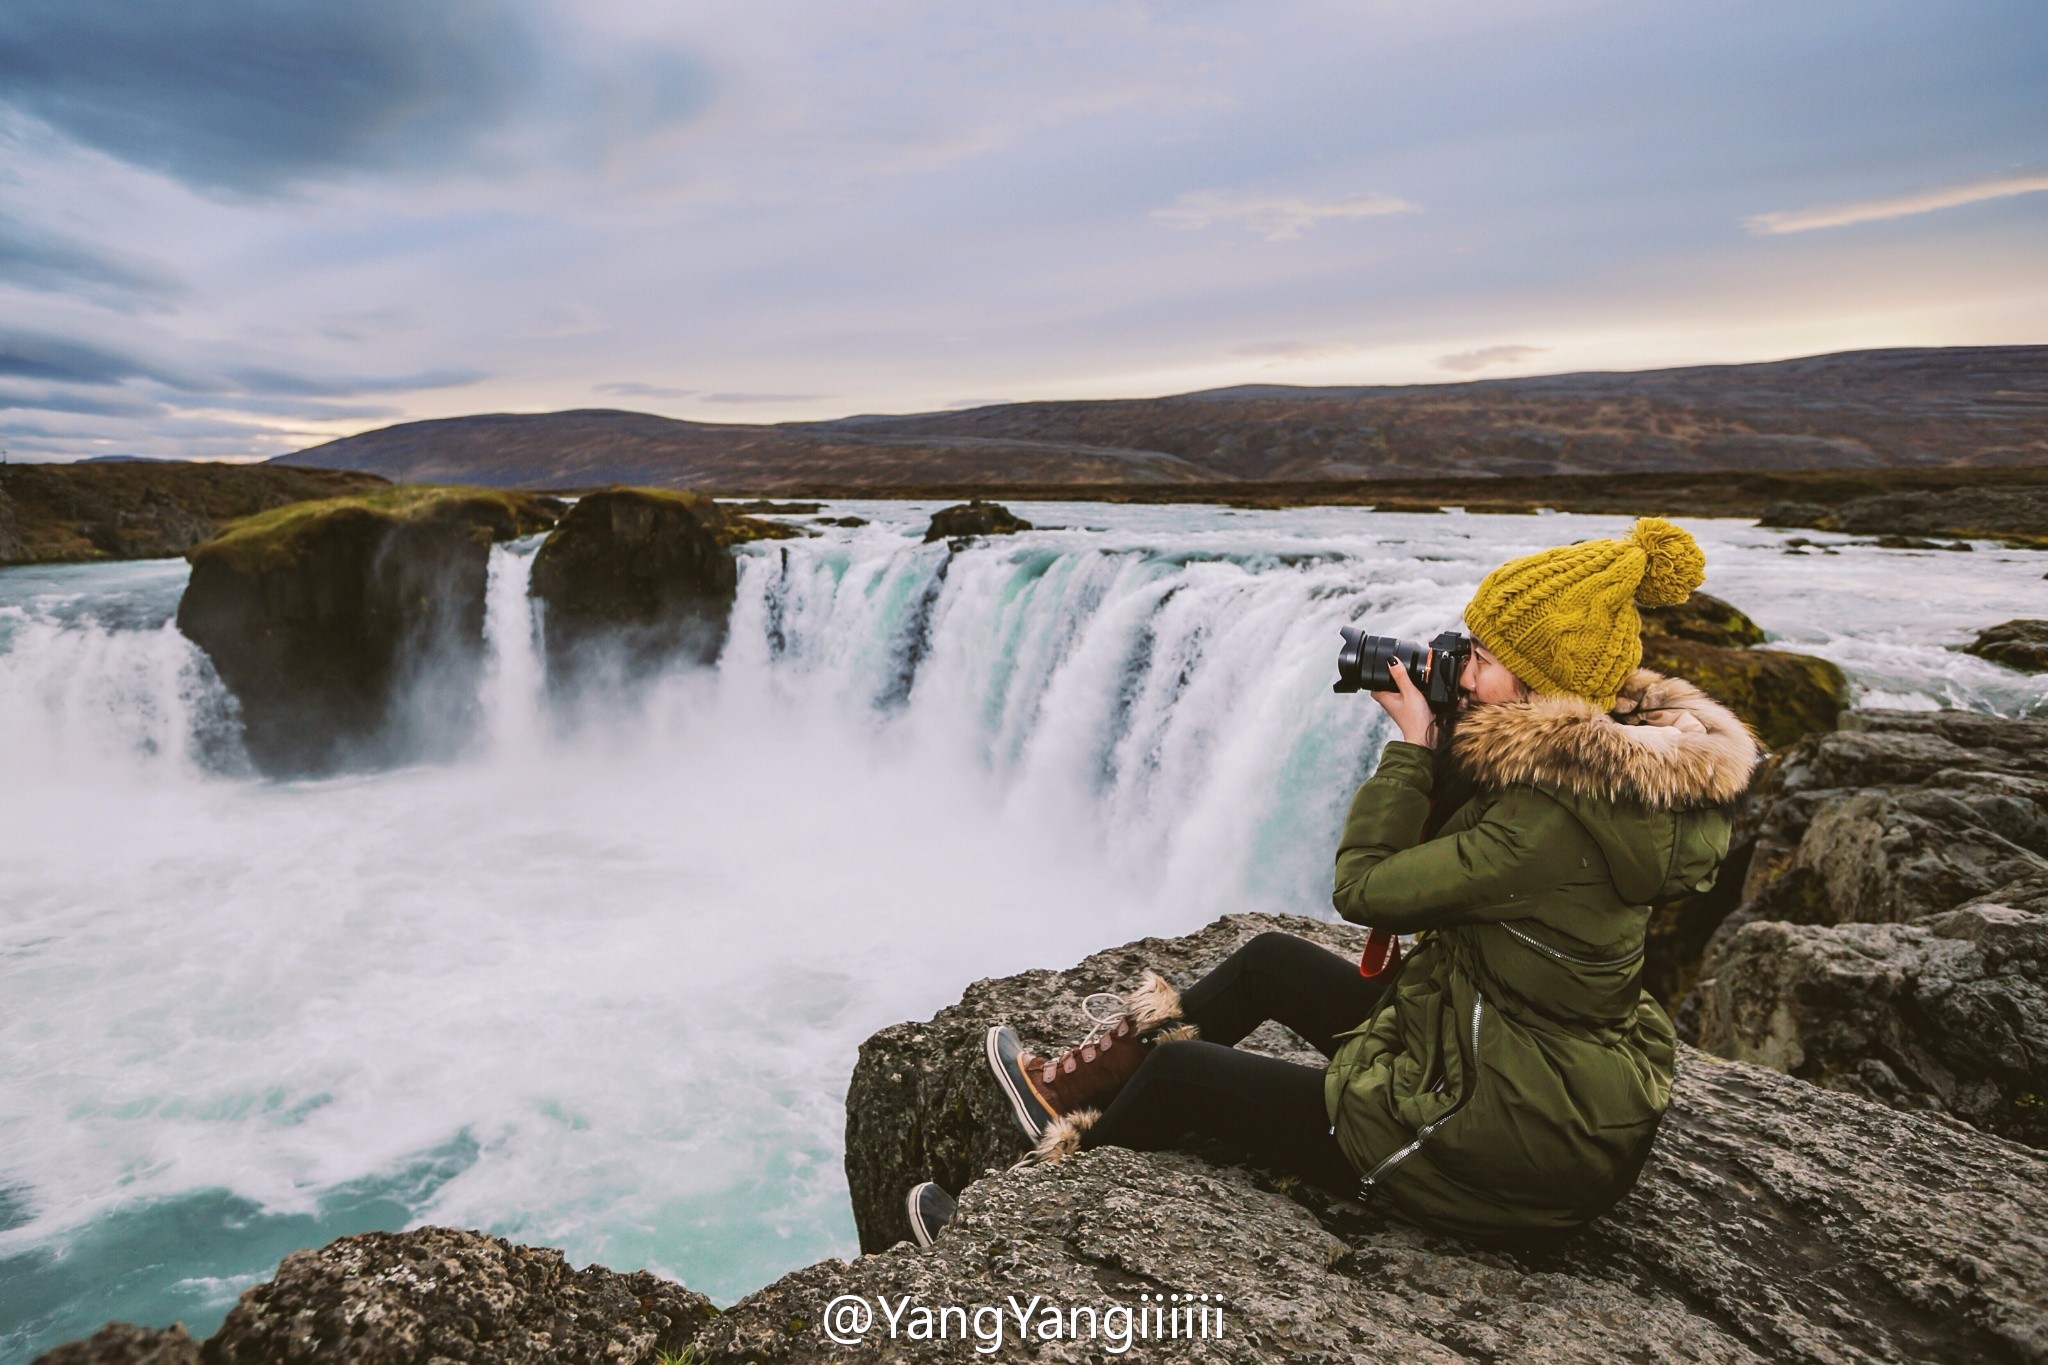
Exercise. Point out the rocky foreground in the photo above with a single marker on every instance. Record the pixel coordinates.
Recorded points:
(1776, 1221)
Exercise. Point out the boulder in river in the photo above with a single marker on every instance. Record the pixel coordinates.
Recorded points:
(633, 578)
(975, 518)
(350, 629)
(2021, 644)
(1776, 1220)
(1782, 695)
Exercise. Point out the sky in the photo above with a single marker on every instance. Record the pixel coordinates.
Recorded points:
(236, 228)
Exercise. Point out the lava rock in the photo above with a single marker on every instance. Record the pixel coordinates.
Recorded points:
(1704, 619)
(451, 1297)
(1765, 1227)
(350, 629)
(976, 518)
(636, 578)
(2019, 644)
(123, 1343)
(1949, 1012)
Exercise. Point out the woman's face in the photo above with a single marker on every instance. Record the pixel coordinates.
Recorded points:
(1486, 679)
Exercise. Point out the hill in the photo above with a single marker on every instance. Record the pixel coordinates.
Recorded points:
(143, 509)
(1924, 408)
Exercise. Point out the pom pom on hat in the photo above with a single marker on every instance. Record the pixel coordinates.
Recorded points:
(1675, 564)
(1565, 620)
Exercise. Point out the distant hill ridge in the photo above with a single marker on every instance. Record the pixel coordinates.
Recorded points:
(1906, 408)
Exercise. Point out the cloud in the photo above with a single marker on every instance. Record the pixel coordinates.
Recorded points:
(280, 382)
(253, 96)
(764, 397)
(1465, 362)
(1276, 352)
(1274, 217)
(33, 258)
(1897, 205)
(34, 355)
(631, 388)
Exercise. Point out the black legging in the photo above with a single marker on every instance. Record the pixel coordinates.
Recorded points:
(1271, 1109)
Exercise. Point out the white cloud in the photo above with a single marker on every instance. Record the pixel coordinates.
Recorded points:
(1897, 205)
(1465, 362)
(1274, 217)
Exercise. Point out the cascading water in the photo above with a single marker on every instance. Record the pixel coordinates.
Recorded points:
(598, 984)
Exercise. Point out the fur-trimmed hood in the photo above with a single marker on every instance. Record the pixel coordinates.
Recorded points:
(1666, 744)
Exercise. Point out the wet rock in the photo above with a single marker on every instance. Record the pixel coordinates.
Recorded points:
(1919, 543)
(350, 629)
(636, 578)
(123, 1343)
(1810, 514)
(2016, 644)
(1763, 1229)
(976, 518)
(1704, 619)
(440, 1296)
(1948, 1013)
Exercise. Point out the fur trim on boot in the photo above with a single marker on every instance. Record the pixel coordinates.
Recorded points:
(1175, 1033)
(1153, 1003)
(1062, 1137)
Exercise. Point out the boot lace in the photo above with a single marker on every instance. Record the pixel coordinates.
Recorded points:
(1105, 1011)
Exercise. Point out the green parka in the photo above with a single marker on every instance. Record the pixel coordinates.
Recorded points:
(1513, 1076)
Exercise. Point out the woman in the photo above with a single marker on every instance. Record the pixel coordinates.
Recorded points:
(1510, 1074)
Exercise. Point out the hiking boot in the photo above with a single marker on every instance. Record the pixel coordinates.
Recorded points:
(1092, 1073)
(930, 1209)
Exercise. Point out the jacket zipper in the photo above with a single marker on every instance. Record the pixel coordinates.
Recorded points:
(1562, 956)
(1423, 1134)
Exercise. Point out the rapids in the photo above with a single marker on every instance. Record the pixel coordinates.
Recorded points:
(598, 983)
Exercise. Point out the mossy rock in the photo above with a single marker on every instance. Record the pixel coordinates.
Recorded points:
(283, 535)
(350, 629)
(2019, 644)
(975, 518)
(636, 578)
(1783, 696)
(1705, 619)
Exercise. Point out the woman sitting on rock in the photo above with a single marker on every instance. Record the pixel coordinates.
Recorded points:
(1509, 1075)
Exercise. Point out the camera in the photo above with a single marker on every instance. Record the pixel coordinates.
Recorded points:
(1364, 665)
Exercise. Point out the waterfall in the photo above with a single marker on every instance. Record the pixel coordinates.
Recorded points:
(513, 681)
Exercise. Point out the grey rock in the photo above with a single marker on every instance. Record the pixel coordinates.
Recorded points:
(1897, 815)
(1776, 1221)
(440, 1296)
(2019, 644)
(123, 1343)
(1948, 1013)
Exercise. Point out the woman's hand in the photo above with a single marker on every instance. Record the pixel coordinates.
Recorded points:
(1408, 707)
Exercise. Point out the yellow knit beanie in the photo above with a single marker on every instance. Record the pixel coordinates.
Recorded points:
(1564, 620)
